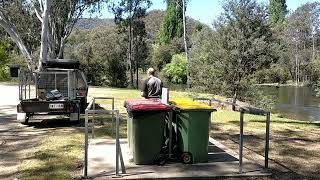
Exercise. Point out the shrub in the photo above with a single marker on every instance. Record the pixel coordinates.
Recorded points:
(176, 71)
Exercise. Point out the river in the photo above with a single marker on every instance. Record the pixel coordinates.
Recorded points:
(295, 102)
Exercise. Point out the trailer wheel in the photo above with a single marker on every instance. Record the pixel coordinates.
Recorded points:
(23, 118)
(75, 115)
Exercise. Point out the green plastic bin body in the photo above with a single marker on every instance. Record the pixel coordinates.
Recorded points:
(145, 136)
(193, 132)
(129, 133)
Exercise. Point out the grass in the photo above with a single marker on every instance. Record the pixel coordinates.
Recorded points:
(294, 144)
(55, 157)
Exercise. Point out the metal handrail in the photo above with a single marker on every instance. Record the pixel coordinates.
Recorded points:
(118, 147)
(248, 110)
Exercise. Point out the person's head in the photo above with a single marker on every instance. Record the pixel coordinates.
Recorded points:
(151, 72)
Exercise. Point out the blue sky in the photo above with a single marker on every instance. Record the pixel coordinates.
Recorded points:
(207, 10)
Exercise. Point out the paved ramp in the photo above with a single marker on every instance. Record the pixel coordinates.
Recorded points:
(222, 164)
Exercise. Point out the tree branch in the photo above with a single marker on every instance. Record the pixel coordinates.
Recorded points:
(38, 15)
(11, 30)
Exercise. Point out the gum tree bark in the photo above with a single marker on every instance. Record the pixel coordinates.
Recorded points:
(11, 30)
(44, 32)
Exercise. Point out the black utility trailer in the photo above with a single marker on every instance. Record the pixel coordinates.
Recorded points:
(60, 89)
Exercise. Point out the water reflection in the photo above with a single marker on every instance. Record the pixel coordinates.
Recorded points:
(296, 102)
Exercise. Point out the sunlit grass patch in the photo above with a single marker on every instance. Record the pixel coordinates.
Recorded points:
(105, 127)
(56, 156)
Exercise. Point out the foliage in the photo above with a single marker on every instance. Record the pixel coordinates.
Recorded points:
(302, 34)
(128, 17)
(239, 46)
(4, 58)
(102, 53)
(253, 94)
(161, 54)
(275, 74)
(172, 24)
(176, 71)
(20, 13)
(277, 11)
(316, 88)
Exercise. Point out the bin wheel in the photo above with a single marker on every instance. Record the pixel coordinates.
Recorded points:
(186, 158)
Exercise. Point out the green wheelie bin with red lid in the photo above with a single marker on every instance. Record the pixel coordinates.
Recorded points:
(145, 128)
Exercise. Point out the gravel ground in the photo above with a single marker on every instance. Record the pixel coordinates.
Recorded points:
(16, 140)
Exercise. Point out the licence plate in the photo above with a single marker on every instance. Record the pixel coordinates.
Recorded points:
(56, 106)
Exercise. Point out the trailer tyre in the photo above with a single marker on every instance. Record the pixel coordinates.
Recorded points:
(75, 116)
(23, 118)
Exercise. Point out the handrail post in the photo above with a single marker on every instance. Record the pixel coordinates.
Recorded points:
(266, 149)
(94, 108)
(241, 141)
(117, 144)
(112, 120)
(85, 171)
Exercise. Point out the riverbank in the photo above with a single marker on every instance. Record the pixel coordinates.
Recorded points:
(294, 145)
(301, 84)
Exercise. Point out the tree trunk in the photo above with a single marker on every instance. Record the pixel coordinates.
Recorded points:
(137, 74)
(313, 48)
(61, 48)
(130, 44)
(44, 34)
(17, 39)
(185, 42)
(234, 98)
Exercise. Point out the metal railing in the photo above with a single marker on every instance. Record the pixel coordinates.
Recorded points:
(113, 112)
(248, 110)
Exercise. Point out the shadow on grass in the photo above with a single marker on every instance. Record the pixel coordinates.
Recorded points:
(296, 123)
(289, 149)
(54, 158)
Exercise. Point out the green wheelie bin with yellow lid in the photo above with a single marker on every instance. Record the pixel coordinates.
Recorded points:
(191, 120)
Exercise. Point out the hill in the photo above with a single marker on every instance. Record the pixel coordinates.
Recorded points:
(152, 20)
(91, 23)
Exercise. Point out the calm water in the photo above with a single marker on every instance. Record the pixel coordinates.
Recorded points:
(296, 102)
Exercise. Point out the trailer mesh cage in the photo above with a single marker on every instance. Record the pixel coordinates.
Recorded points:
(54, 81)
(33, 85)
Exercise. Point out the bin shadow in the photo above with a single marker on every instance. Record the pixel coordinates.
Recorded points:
(216, 154)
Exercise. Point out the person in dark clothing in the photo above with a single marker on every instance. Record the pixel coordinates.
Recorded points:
(152, 86)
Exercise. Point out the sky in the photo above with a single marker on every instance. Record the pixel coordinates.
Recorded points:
(206, 11)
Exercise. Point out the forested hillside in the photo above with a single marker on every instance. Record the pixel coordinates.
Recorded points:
(91, 23)
(152, 21)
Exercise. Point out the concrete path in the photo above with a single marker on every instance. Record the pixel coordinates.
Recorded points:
(16, 140)
(222, 164)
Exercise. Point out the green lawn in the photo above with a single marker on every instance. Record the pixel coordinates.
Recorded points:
(294, 144)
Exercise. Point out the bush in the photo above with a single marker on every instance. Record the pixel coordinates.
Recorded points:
(102, 53)
(4, 59)
(176, 71)
(162, 54)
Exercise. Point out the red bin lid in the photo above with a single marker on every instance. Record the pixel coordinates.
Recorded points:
(146, 105)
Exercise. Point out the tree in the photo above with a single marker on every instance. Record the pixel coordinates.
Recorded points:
(57, 24)
(277, 11)
(172, 24)
(302, 33)
(12, 30)
(240, 45)
(128, 17)
(102, 54)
